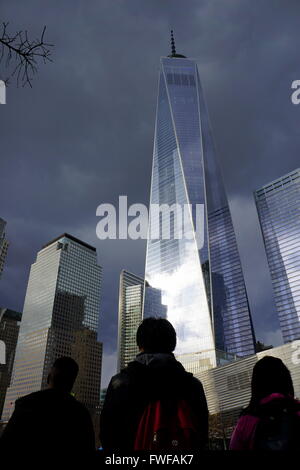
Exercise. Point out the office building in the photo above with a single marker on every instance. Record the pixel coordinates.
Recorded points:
(9, 331)
(278, 206)
(131, 298)
(131, 291)
(60, 318)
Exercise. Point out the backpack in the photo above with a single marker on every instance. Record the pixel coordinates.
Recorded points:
(166, 426)
(278, 429)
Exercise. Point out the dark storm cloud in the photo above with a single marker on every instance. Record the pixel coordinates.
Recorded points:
(83, 135)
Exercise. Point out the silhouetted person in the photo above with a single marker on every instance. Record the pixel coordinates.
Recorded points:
(51, 422)
(155, 376)
(272, 419)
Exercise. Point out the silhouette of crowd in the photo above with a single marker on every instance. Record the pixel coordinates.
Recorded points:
(153, 404)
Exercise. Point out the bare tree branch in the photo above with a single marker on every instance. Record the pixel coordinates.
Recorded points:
(25, 53)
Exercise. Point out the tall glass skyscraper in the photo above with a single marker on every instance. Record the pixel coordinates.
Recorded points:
(278, 206)
(199, 272)
(60, 318)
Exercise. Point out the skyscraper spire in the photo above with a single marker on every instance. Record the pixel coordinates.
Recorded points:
(173, 48)
(173, 44)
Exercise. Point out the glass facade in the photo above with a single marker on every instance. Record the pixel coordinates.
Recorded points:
(60, 318)
(153, 303)
(130, 316)
(131, 296)
(278, 206)
(198, 270)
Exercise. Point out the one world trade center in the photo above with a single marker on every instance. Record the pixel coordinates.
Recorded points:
(197, 268)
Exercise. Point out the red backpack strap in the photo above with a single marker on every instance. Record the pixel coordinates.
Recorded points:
(148, 424)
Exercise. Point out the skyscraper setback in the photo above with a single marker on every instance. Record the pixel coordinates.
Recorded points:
(278, 205)
(202, 285)
(60, 318)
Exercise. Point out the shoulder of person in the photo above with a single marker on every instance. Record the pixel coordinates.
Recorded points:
(130, 375)
(30, 398)
(194, 381)
(247, 421)
(120, 380)
(78, 406)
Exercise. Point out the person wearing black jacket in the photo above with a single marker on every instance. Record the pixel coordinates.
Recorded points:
(50, 422)
(155, 374)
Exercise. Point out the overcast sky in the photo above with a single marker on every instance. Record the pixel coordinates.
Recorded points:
(83, 134)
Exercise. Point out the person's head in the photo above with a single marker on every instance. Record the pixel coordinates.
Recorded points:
(63, 374)
(270, 375)
(156, 335)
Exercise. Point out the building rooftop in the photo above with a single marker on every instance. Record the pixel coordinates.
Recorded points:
(12, 314)
(74, 239)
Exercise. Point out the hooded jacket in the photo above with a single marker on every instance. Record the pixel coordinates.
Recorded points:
(149, 377)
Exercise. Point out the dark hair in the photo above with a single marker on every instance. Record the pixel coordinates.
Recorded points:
(156, 335)
(64, 372)
(270, 375)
